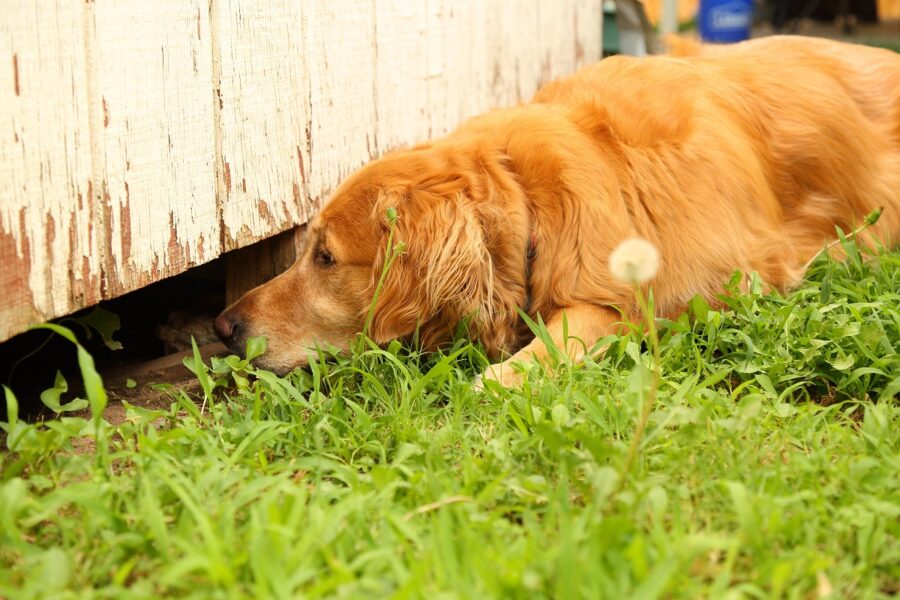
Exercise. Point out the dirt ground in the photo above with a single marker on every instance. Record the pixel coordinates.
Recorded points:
(146, 378)
(146, 384)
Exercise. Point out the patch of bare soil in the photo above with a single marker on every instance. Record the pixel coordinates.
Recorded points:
(148, 384)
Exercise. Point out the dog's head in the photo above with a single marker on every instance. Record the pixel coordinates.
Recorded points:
(445, 268)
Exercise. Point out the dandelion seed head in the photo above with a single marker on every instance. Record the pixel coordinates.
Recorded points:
(635, 260)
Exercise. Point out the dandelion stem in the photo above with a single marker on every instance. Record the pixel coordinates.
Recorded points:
(649, 395)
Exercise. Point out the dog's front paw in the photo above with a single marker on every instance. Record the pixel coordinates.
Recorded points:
(502, 373)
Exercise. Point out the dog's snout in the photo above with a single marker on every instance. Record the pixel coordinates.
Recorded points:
(224, 326)
(228, 328)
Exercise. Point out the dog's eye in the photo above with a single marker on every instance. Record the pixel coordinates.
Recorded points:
(323, 258)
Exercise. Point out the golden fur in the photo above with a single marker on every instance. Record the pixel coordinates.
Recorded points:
(742, 157)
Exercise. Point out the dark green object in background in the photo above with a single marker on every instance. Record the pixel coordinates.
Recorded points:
(610, 30)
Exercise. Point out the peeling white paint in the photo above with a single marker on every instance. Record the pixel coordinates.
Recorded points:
(263, 91)
(142, 138)
(154, 85)
(45, 210)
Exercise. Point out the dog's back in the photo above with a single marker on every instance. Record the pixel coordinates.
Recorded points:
(870, 76)
(828, 114)
(801, 134)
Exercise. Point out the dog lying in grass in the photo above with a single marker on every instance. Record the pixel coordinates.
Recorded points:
(732, 158)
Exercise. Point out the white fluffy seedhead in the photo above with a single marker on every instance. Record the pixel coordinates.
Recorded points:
(634, 261)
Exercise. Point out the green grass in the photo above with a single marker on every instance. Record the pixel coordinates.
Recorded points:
(768, 469)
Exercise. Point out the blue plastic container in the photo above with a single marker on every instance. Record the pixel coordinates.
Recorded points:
(725, 21)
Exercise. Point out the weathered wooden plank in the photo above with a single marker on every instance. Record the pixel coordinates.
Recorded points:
(340, 57)
(262, 99)
(295, 82)
(49, 233)
(157, 141)
(443, 61)
(401, 64)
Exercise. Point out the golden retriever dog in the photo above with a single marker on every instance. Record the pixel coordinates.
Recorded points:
(734, 158)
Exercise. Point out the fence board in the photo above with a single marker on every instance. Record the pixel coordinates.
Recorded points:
(153, 81)
(262, 101)
(49, 226)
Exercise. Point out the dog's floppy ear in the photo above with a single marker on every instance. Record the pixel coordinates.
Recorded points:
(445, 271)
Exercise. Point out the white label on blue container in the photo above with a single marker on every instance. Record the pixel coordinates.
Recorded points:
(733, 15)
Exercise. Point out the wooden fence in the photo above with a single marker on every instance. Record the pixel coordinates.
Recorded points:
(140, 138)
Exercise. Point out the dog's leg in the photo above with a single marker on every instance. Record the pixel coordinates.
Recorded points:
(581, 326)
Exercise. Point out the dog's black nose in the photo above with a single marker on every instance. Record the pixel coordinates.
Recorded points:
(227, 328)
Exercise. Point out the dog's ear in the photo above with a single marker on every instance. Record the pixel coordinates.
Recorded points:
(444, 273)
